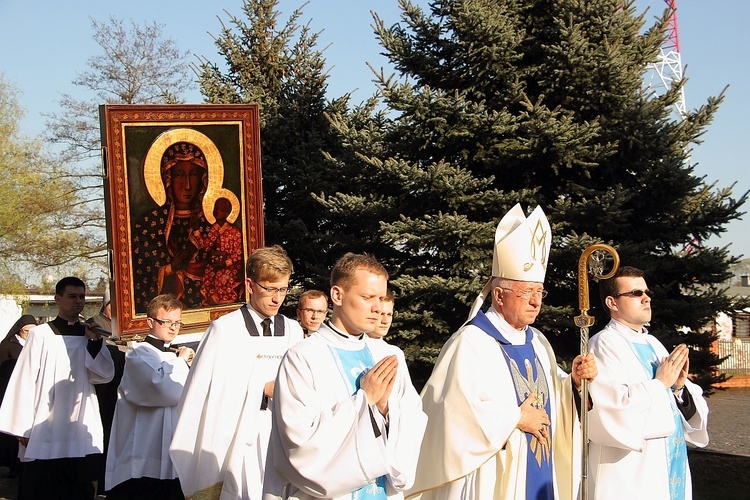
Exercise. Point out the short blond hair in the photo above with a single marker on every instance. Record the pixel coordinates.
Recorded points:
(269, 263)
(345, 268)
(167, 301)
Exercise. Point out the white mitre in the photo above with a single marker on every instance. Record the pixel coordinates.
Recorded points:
(521, 253)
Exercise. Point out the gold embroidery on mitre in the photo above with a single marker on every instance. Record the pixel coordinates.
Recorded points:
(537, 247)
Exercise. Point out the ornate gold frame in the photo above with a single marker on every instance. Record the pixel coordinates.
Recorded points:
(134, 138)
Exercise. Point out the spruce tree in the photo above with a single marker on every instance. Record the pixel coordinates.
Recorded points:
(540, 102)
(279, 67)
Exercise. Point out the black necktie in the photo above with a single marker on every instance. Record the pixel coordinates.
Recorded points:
(266, 327)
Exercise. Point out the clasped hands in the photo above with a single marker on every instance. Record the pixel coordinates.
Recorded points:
(673, 370)
(378, 382)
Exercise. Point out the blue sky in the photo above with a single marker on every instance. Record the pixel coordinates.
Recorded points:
(44, 44)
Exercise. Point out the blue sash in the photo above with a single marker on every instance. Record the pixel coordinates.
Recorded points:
(528, 377)
(676, 449)
(352, 365)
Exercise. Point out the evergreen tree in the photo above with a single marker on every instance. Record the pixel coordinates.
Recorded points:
(540, 102)
(280, 68)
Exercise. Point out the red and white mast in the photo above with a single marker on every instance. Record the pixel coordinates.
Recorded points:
(669, 70)
(669, 66)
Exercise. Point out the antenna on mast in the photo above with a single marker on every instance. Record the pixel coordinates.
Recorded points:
(669, 66)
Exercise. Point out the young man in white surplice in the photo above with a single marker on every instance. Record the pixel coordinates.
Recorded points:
(645, 406)
(138, 463)
(347, 419)
(221, 440)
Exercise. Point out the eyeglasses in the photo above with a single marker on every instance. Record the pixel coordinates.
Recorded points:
(169, 323)
(634, 293)
(527, 294)
(273, 290)
(313, 311)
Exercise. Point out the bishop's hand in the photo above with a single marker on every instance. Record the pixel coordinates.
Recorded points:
(584, 368)
(534, 420)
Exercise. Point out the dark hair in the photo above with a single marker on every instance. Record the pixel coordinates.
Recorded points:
(608, 287)
(343, 271)
(68, 281)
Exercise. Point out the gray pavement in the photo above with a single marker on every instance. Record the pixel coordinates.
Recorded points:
(729, 421)
(728, 427)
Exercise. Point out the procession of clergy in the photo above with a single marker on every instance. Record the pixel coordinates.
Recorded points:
(260, 411)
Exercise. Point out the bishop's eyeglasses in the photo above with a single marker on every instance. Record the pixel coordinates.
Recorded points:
(527, 294)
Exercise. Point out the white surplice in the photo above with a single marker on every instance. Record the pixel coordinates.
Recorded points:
(220, 443)
(145, 415)
(632, 419)
(323, 443)
(472, 448)
(51, 398)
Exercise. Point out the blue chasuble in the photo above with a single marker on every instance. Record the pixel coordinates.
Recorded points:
(528, 377)
(352, 365)
(676, 448)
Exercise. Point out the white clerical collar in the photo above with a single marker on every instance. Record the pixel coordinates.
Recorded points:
(630, 333)
(342, 333)
(21, 340)
(513, 335)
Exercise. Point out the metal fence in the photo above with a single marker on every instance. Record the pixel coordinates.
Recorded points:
(738, 350)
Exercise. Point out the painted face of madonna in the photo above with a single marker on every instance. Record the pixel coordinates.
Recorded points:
(187, 180)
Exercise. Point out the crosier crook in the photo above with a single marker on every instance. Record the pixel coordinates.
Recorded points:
(591, 261)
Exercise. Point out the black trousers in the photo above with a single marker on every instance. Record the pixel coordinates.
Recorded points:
(147, 488)
(59, 478)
